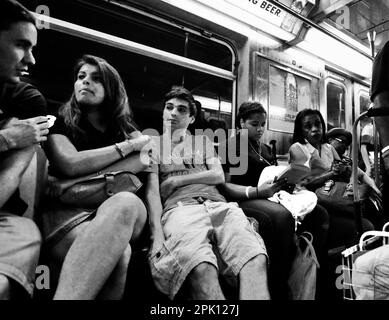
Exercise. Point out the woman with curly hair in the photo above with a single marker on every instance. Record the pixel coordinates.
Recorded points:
(93, 134)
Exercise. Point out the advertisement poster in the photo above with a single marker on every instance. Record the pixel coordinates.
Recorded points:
(288, 94)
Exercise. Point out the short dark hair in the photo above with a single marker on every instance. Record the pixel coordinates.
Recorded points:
(248, 108)
(12, 12)
(298, 134)
(184, 94)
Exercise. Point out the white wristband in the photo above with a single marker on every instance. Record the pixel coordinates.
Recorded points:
(385, 149)
(247, 192)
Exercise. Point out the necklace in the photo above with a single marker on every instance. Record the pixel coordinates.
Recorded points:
(258, 154)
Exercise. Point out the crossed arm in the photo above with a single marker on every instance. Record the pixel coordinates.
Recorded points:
(70, 162)
(214, 175)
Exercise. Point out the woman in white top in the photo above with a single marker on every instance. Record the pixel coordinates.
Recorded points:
(309, 148)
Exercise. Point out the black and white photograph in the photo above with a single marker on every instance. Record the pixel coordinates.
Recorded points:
(189, 157)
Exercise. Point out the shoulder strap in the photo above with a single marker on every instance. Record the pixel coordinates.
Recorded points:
(309, 250)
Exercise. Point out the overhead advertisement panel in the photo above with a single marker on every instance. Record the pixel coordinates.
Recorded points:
(262, 9)
(274, 14)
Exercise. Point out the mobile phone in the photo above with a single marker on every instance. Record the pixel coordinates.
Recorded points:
(50, 120)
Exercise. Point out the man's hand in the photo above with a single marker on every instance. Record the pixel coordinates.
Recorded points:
(157, 239)
(269, 188)
(24, 133)
(168, 186)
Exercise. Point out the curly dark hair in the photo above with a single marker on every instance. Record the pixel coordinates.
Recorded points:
(248, 108)
(298, 134)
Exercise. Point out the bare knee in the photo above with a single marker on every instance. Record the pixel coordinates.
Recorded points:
(204, 283)
(203, 271)
(258, 263)
(126, 207)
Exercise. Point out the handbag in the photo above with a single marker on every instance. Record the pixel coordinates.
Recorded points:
(303, 274)
(299, 203)
(338, 196)
(92, 191)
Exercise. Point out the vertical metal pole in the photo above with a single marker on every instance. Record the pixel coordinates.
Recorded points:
(355, 148)
(376, 154)
(371, 37)
(185, 55)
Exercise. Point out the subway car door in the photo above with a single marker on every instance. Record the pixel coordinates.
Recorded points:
(338, 109)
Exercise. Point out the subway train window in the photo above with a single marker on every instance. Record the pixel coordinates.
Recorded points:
(126, 23)
(336, 116)
(364, 101)
(146, 78)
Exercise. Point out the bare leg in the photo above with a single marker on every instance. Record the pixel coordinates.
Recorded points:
(5, 288)
(12, 167)
(113, 289)
(204, 283)
(253, 280)
(95, 253)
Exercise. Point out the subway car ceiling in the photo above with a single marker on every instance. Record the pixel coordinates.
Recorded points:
(223, 56)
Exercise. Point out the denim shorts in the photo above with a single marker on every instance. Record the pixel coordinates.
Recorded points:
(20, 242)
(192, 232)
(56, 220)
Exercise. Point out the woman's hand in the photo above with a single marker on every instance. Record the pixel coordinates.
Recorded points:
(140, 142)
(341, 169)
(269, 188)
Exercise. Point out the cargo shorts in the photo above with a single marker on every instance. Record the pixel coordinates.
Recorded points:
(192, 232)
